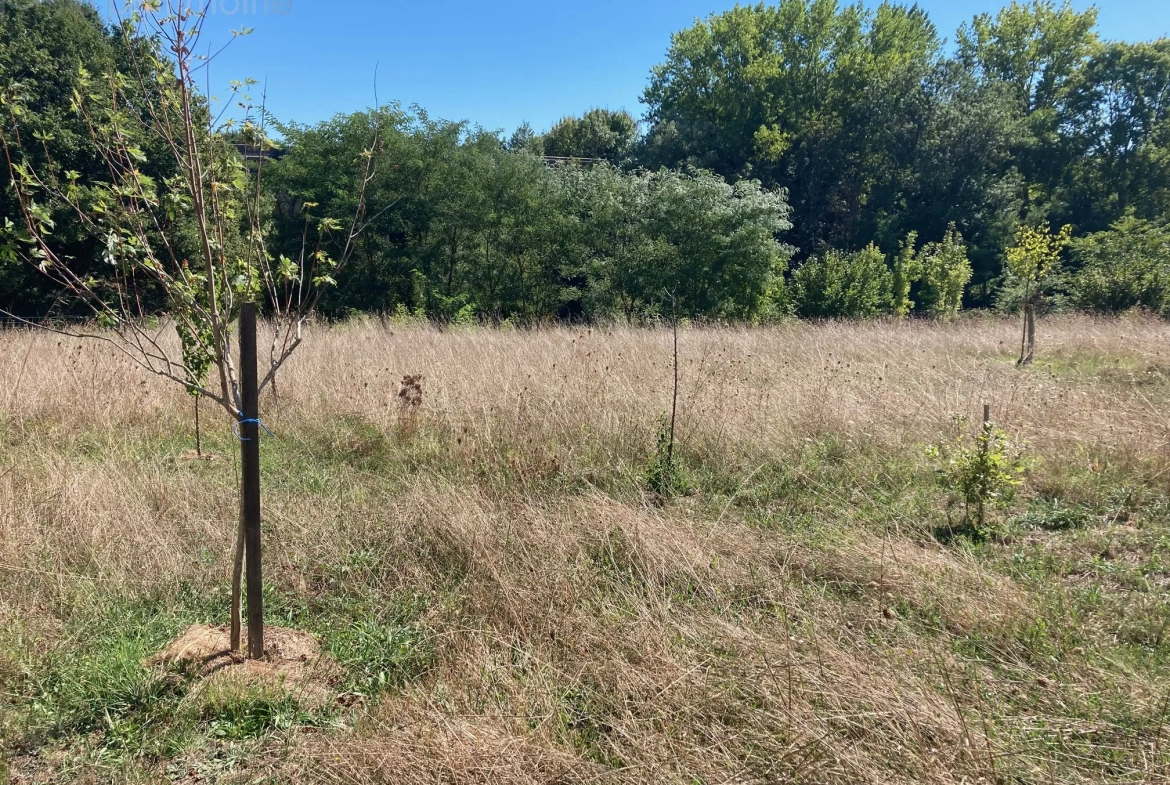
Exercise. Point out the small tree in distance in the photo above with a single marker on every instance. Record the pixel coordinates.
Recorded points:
(1035, 255)
(190, 246)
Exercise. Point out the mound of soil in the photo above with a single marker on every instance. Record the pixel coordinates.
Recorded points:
(292, 660)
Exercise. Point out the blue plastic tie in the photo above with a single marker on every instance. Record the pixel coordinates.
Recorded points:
(242, 421)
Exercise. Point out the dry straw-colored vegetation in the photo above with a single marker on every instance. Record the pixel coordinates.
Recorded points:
(504, 601)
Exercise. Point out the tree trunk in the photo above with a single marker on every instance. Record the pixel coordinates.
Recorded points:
(1030, 325)
(237, 580)
(198, 435)
(1024, 337)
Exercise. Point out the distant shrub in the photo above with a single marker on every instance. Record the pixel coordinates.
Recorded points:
(1124, 267)
(841, 285)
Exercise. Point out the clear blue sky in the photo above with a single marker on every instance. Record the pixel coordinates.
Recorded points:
(503, 62)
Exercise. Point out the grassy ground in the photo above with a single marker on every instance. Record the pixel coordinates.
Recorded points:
(509, 602)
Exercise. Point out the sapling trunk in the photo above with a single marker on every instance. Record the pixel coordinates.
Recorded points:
(237, 580)
(1028, 339)
(1024, 334)
(198, 435)
(984, 445)
(1030, 316)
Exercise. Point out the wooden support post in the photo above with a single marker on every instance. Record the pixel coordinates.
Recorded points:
(984, 446)
(250, 480)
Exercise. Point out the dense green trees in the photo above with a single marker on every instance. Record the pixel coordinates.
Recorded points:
(466, 227)
(855, 112)
(876, 133)
(806, 156)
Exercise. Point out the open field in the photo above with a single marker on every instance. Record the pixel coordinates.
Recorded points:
(504, 601)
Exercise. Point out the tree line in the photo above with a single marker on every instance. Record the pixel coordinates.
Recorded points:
(801, 158)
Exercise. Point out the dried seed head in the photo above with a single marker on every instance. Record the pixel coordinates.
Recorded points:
(410, 391)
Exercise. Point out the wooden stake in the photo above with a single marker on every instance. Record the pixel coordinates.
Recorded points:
(250, 480)
(674, 398)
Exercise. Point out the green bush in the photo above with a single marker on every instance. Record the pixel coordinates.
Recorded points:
(907, 271)
(840, 285)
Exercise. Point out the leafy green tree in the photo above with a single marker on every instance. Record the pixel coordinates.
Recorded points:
(524, 139)
(315, 183)
(1035, 50)
(1034, 47)
(856, 112)
(1116, 123)
(1125, 267)
(460, 226)
(960, 170)
(712, 245)
(154, 107)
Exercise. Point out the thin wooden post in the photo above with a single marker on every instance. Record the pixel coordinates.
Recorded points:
(250, 479)
(674, 399)
(984, 444)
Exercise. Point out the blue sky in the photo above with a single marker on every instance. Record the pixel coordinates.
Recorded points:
(503, 62)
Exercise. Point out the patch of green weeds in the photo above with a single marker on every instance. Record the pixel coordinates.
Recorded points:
(1052, 515)
(96, 687)
(584, 721)
(96, 680)
(377, 656)
(254, 713)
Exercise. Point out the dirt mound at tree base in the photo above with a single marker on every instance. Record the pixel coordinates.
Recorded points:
(292, 661)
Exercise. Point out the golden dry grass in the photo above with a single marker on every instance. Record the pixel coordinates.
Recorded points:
(797, 618)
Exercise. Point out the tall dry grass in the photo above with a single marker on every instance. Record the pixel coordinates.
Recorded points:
(581, 632)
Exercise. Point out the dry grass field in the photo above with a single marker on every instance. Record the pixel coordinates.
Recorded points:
(503, 600)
